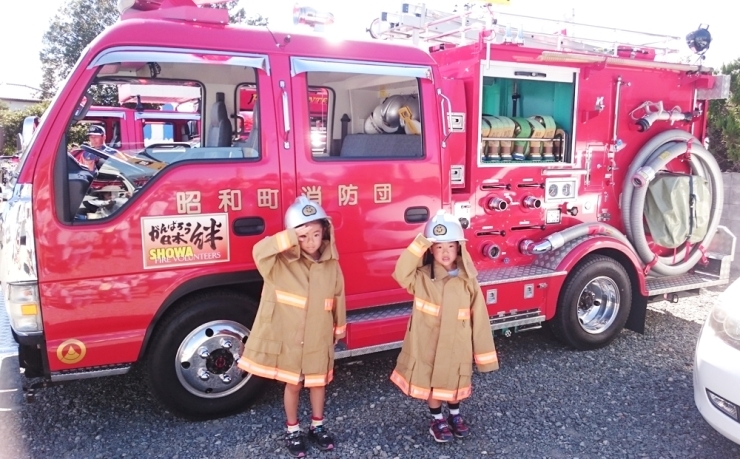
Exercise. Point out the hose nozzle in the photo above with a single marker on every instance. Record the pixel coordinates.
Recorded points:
(643, 176)
(497, 204)
(530, 202)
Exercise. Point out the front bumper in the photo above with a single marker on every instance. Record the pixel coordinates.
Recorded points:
(717, 368)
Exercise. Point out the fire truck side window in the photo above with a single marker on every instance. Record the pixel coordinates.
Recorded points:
(180, 109)
(363, 116)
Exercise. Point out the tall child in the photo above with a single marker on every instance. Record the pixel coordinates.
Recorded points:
(300, 318)
(448, 327)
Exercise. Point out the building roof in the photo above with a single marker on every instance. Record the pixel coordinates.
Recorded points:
(19, 92)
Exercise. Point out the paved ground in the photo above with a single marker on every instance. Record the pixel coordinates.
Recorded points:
(632, 399)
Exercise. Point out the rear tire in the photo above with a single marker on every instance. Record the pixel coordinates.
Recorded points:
(192, 358)
(594, 303)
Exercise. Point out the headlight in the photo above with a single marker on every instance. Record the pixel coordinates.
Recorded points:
(23, 307)
(725, 319)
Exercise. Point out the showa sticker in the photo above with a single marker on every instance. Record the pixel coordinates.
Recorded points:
(184, 240)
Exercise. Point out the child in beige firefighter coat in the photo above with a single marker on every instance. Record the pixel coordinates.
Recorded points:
(448, 328)
(300, 317)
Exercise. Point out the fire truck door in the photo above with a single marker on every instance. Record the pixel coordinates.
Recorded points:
(149, 220)
(369, 155)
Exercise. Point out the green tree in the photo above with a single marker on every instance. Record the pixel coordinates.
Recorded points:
(12, 123)
(723, 124)
(238, 15)
(75, 25)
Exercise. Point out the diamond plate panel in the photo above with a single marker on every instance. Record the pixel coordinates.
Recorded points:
(551, 260)
(688, 281)
(514, 273)
(382, 312)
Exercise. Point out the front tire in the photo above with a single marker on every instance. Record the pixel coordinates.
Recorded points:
(594, 303)
(192, 359)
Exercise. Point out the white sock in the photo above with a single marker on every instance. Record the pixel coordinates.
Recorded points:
(293, 428)
(316, 422)
(455, 412)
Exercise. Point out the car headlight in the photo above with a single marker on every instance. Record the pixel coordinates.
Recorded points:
(725, 319)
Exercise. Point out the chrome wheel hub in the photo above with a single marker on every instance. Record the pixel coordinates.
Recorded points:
(206, 360)
(598, 305)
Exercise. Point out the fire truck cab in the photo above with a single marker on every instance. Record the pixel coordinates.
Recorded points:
(542, 146)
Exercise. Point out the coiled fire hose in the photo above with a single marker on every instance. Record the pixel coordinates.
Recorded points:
(652, 157)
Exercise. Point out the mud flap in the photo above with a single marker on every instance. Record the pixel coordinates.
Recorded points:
(638, 311)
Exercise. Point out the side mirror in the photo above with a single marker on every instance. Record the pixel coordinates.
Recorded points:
(81, 111)
(29, 126)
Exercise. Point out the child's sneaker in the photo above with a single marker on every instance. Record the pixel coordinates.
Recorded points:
(459, 428)
(440, 430)
(322, 437)
(296, 444)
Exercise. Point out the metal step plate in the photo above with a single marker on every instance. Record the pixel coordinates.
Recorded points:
(688, 281)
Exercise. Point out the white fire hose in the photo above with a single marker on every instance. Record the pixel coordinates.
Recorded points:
(652, 157)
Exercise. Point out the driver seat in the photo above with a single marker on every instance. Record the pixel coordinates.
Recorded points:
(219, 131)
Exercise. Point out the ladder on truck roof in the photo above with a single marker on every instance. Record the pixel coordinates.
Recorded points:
(428, 26)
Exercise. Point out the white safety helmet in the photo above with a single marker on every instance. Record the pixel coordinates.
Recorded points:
(303, 211)
(444, 227)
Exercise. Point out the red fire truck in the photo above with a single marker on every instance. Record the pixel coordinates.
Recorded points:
(559, 155)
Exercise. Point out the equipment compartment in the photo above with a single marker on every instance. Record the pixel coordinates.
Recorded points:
(521, 104)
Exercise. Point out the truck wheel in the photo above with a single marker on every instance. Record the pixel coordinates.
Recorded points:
(594, 303)
(192, 358)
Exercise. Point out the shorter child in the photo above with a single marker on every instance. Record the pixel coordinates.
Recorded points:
(448, 327)
(301, 316)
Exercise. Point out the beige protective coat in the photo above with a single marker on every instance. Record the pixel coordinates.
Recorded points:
(301, 312)
(448, 327)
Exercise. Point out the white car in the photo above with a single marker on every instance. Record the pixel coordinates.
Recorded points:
(717, 365)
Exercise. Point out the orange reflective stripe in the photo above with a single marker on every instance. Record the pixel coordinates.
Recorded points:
(283, 240)
(268, 372)
(488, 357)
(426, 307)
(399, 381)
(328, 304)
(340, 330)
(290, 299)
(463, 393)
(463, 314)
(409, 389)
(318, 380)
(451, 395)
(446, 395)
(416, 248)
(419, 392)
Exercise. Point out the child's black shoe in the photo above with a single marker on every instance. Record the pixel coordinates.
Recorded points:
(440, 431)
(458, 426)
(296, 444)
(322, 437)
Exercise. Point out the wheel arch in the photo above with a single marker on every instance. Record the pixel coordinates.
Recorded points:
(612, 248)
(244, 282)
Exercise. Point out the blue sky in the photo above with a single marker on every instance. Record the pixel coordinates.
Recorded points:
(23, 23)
